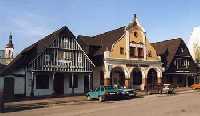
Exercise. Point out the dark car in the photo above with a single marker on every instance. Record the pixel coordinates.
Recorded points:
(127, 93)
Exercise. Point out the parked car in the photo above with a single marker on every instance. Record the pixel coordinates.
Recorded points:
(196, 86)
(127, 93)
(168, 89)
(102, 93)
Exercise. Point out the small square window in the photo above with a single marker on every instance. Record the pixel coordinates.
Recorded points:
(121, 50)
(135, 34)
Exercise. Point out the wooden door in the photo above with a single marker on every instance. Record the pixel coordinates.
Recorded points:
(8, 87)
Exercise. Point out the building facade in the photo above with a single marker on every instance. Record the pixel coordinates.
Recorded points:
(7, 55)
(123, 57)
(180, 68)
(55, 65)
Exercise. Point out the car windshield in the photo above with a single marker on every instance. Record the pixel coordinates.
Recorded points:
(108, 87)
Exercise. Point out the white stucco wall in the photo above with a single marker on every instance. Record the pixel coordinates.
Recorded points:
(19, 85)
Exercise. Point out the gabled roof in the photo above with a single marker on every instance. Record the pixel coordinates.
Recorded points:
(29, 54)
(104, 40)
(168, 47)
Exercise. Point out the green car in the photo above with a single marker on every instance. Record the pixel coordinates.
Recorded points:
(102, 93)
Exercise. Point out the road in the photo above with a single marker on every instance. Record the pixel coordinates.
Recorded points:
(187, 104)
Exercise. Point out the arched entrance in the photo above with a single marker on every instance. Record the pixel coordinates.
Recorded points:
(152, 77)
(117, 77)
(136, 78)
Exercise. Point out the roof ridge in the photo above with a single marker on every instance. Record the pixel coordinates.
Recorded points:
(108, 32)
(168, 40)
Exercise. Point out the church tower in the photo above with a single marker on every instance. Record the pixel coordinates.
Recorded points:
(9, 49)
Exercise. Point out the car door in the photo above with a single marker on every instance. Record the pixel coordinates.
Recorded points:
(96, 92)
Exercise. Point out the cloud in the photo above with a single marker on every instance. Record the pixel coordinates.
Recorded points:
(194, 38)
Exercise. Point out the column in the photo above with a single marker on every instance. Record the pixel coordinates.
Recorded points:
(53, 76)
(32, 84)
(159, 80)
(90, 87)
(107, 81)
(127, 82)
(143, 83)
(72, 83)
(186, 81)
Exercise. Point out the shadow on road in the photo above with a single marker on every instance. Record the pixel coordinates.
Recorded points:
(22, 107)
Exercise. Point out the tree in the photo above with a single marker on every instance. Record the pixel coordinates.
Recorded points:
(196, 49)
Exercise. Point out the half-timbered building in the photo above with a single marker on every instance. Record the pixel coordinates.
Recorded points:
(123, 57)
(180, 68)
(55, 65)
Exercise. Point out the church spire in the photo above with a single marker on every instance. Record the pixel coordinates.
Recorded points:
(10, 43)
(136, 22)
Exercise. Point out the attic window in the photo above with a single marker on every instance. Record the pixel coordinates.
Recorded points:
(182, 50)
(149, 54)
(121, 50)
(135, 34)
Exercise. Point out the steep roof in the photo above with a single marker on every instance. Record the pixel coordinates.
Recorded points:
(168, 47)
(104, 40)
(2, 66)
(29, 53)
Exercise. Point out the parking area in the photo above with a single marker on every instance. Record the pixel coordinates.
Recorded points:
(183, 102)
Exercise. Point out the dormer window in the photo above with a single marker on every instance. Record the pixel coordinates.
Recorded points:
(135, 34)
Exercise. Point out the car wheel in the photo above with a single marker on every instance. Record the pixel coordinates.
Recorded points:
(101, 98)
(88, 98)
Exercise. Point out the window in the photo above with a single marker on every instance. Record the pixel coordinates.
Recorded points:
(135, 34)
(121, 50)
(182, 50)
(181, 63)
(149, 54)
(47, 58)
(42, 82)
(60, 55)
(66, 43)
(132, 52)
(73, 84)
(140, 53)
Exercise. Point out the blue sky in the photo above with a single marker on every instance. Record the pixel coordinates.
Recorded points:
(30, 20)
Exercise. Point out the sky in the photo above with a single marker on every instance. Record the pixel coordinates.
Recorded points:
(31, 20)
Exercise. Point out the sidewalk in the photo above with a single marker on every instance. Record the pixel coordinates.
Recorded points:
(43, 103)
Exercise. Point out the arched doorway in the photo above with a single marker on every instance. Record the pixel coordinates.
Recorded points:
(136, 78)
(152, 77)
(117, 77)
